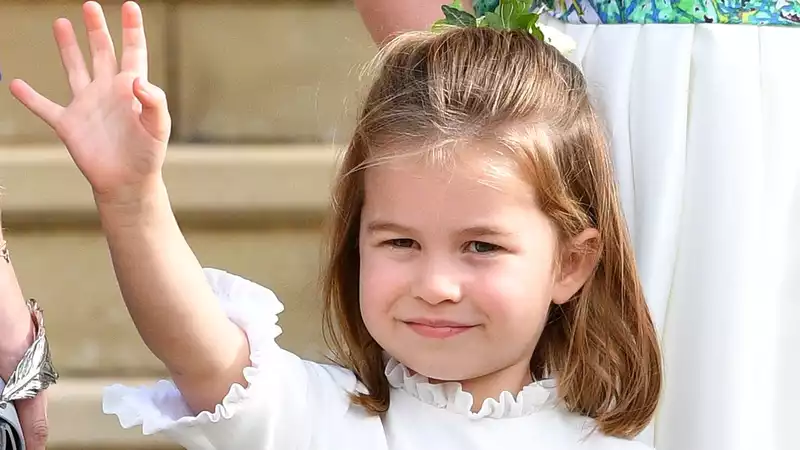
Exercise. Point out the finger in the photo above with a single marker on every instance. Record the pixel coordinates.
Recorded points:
(134, 44)
(40, 105)
(33, 418)
(104, 59)
(155, 114)
(71, 55)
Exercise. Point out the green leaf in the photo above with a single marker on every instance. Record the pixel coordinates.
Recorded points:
(484, 7)
(509, 10)
(458, 17)
(536, 32)
(493, 20)
(519, 6)
(497, 14)
(440, 25)
(524, 21)
(505, 11)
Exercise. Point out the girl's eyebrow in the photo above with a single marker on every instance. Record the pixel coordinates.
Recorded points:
(484, 230)
(377, 226)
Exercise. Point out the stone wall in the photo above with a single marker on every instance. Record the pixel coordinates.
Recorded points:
(262, 93)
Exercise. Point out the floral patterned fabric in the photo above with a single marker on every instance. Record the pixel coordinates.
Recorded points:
(756, 12)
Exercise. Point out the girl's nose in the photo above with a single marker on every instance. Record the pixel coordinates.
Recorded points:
(438, 282)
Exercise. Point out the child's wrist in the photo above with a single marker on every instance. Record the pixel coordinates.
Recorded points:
(130, 206)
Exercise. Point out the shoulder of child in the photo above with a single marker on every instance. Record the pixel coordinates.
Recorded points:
(254, 308)
(229, 288)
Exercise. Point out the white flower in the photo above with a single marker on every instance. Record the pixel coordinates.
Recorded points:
(558, 39)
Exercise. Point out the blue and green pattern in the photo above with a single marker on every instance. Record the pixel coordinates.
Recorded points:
(754, 12)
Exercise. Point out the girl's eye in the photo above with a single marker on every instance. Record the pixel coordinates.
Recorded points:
(401, 243)
(483, 247)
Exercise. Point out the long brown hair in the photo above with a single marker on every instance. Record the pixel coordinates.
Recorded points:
(475, 84)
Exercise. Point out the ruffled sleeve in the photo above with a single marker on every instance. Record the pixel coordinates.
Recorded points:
(272, 412)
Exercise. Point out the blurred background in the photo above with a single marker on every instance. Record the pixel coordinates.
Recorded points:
(263, 96)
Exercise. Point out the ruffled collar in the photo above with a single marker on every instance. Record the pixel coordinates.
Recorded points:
(452, 397)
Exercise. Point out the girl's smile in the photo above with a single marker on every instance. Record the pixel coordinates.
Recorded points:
(437, 328)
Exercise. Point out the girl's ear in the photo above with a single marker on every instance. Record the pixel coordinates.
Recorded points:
(577, 262)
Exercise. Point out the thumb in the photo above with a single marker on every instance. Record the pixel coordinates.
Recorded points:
(155, 114)
(33, 418)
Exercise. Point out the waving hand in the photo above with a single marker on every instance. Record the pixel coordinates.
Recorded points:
(117, 125)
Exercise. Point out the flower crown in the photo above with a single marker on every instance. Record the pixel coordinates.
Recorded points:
(506, 15)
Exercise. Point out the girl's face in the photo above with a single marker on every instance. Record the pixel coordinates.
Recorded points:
(457, 270)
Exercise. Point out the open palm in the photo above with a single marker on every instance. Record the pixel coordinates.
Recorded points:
(117, 125)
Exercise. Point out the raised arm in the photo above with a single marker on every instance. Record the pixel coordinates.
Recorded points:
(385, 18)
(171, 304)
(116, 129)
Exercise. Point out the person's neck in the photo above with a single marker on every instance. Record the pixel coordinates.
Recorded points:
(511, 379)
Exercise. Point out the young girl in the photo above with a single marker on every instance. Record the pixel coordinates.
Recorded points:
(699, 103)
(480, 291)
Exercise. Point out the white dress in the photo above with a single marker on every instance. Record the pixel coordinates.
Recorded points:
(292, 404)
(703, 124)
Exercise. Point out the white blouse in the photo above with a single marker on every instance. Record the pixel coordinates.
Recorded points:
(293, 404)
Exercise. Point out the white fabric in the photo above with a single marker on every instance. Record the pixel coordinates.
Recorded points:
(291, 404)
(703, 121)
